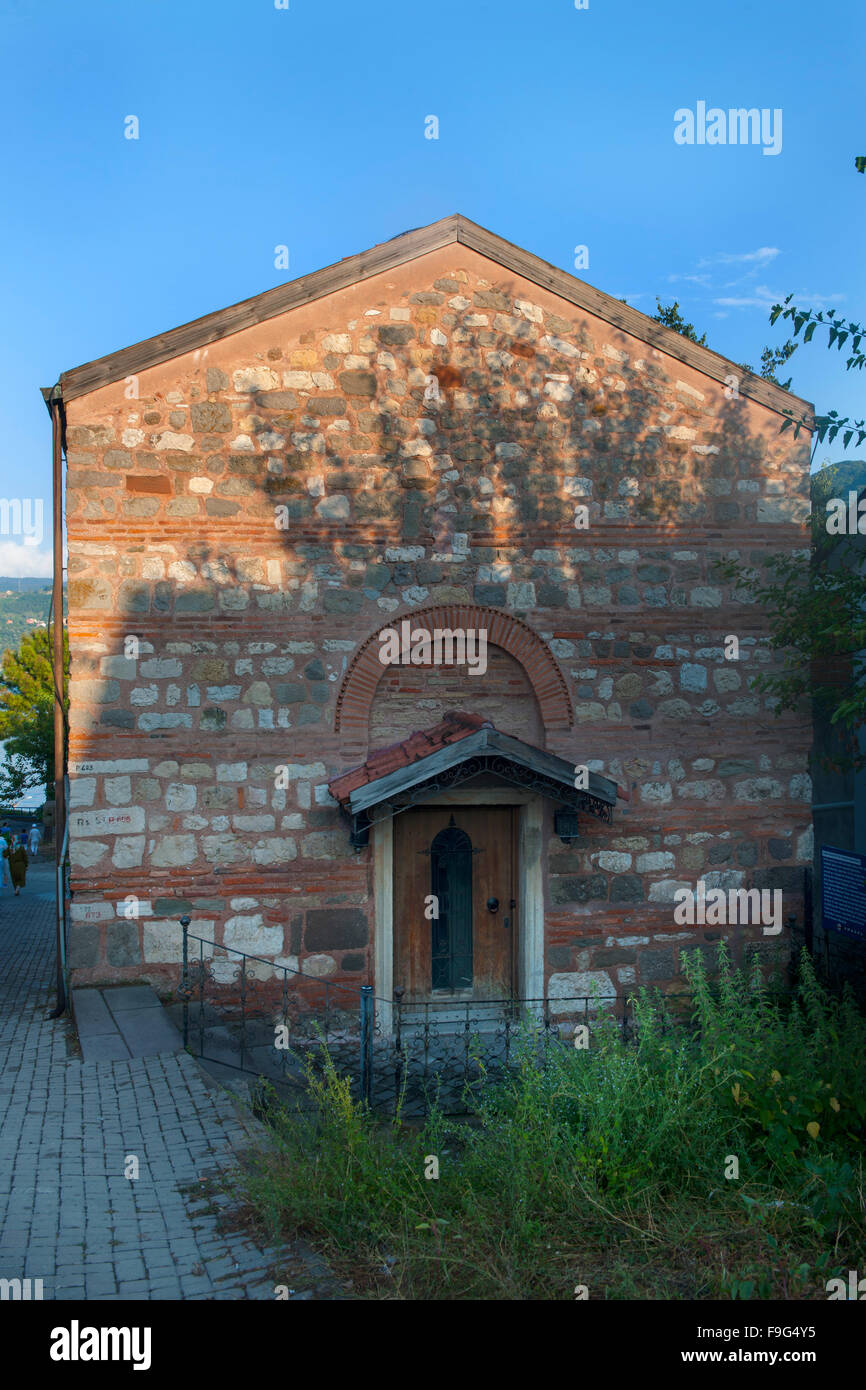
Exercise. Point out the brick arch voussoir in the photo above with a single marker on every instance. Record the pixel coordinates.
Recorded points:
(365, 670)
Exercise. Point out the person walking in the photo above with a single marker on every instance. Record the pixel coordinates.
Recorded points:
(18, 861)
(33, 840)
(5, 846)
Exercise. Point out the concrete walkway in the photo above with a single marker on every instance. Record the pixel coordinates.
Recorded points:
(69, 1128)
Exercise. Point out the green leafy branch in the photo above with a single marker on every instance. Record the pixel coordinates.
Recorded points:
(818, 626)
(840, 329)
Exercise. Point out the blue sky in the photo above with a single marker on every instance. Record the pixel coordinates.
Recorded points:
(305, 127)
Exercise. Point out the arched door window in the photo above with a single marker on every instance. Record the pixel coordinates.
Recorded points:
(451, 874)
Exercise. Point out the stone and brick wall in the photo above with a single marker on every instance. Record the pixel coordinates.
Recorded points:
(245, 632)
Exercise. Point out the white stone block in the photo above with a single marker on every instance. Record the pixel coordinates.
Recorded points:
(255, 379)
(250, 935)
(128, 851)
(530, 311)
(180, 796)
(223, 848)
(173, 851)
(120, 667)
(569, 990)
(162, 941)
(169, 439)
(305, 770)
(758, 789)
(277, 851)
(319, 965)
(91, 912)
(231, 772)
(559, 391)
(83, 854)
(118, 791)
(120, 822)
(655, 861)
(613, 862)
(225, 972)
(85, 767)
(657, 793)
(806, 846)
(82, 790)
(665, 890)
(561, 345)
(253, 822)
(158, 668)
(724, 878)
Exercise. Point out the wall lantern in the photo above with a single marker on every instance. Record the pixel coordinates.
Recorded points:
(565, 825)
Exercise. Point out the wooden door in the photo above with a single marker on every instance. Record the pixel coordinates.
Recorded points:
(462, 858)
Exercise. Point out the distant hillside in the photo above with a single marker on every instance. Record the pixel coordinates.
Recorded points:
(19, 585)
(16, 607)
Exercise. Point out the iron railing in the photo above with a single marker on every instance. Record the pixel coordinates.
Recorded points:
(254, 1015)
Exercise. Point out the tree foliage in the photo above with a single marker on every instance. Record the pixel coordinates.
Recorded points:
(840, 331)
(27, 713)
(816, 605)
(816, 600)
(774, 358)
(670, 316)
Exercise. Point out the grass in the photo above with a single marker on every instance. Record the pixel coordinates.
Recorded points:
(717, 1158)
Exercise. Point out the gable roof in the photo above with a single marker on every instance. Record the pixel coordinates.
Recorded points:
(79, 381)
(424, 759)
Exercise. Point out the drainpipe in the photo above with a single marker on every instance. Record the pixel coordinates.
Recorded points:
(53, 397)
(60, 875)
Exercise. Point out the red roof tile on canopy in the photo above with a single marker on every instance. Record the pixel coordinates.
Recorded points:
(455, 724)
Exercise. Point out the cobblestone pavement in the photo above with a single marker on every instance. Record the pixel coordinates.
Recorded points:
(68, 1215)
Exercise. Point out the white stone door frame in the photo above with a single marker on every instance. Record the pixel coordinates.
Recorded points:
(530, 880)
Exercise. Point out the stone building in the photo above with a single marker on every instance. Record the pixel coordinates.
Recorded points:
(447, 432)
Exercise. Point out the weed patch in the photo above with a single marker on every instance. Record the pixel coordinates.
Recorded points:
(717, 1156)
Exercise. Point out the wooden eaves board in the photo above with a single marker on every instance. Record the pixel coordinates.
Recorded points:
(485, 741)
(406, 247)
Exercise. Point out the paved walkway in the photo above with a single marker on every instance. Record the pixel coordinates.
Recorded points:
(122, 1021)
(68, 1128)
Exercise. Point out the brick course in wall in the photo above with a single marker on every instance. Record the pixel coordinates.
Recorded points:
(210, 647)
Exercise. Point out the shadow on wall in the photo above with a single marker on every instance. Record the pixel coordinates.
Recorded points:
(387, 483)
(839, 797)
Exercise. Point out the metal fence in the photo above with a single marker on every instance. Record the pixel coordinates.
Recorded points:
(280, 1024)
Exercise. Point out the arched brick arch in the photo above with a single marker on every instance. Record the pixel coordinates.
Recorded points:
(512, 635)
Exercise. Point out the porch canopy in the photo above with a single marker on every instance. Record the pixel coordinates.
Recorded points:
(462, 747)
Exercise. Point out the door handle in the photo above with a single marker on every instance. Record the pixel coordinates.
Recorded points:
(506, 921)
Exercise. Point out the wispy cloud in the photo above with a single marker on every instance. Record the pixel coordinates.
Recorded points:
(740, 291)
(760, 298)
(762, 256)
(764, 298)
(749, 264)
